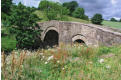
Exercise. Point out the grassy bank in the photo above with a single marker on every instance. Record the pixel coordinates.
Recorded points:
(8, 41)
(112, 24)
(63, 63)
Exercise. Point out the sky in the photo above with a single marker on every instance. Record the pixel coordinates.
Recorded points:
(108, 8)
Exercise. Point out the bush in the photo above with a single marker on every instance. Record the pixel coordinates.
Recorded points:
(97, 19)
(113, 19)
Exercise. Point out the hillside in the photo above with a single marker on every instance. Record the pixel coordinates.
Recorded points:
(112, 24)
(105, 23)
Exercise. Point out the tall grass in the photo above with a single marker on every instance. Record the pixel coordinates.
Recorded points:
(65, 62)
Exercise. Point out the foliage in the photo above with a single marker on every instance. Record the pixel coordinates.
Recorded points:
(5, 11)
(97, 19)
(27, 30)
(80, 13)
(71, 6)
(113, 19)
(63, 63)
(52, 10)
(5, 6)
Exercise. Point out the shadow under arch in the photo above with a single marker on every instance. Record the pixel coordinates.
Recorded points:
(80, 39)
(51, 38)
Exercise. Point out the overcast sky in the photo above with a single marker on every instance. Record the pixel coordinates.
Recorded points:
(109, 8)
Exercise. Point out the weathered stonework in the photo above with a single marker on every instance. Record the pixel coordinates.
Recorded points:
(92, 35)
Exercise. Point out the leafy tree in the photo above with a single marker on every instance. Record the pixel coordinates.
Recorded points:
(5, 11)
(79, 12)
(71, 6)
(97, 19)
(27, 30)
(113, 19)
(85, 17)
(5, 6)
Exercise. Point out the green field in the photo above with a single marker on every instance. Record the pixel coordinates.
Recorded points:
(8, 43)
(64, 63)
(112, 24)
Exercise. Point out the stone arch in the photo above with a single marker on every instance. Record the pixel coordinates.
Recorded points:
(79, 39)
(51, 37)
(47, 29)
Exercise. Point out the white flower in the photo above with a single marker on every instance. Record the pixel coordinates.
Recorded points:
(41, 53)
(108, 66)
(40, 70)
(43, 56)
(63, 68)
(58, 61)
(101, 60)
(46, 62)
(51, 57)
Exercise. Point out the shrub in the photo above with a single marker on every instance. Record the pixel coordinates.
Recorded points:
(97, 19)
(113, 19)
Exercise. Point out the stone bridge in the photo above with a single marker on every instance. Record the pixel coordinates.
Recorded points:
(55, 32)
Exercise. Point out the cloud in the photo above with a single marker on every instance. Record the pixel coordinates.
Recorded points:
(109, 8)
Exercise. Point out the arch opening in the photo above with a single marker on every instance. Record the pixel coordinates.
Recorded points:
(79, 41)
(51, 38)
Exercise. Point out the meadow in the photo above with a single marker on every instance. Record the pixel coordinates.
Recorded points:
(65, 62)
(112, 24)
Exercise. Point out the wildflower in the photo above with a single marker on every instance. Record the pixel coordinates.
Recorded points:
(43, 56)
(40, 70)
(58, 61)
(101, 60)
(51, 57)
(41, 53)
(108, 66)
(46, 62)
(63, 68)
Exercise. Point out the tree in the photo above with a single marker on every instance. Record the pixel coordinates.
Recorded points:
(5, 6)
(27, 30)
(113, 19)
(97, 19)
(85, 17)
(71, 6)
(5, 11)
(79, 12)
